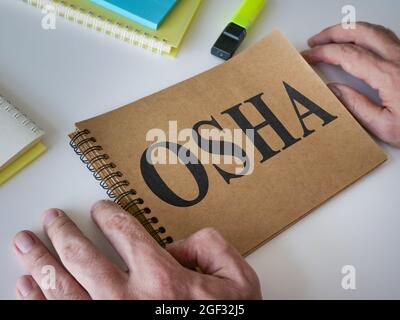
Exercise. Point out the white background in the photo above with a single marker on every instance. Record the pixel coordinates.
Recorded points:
(70, 74)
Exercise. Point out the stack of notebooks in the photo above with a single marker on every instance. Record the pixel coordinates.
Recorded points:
(20, 140)
(157, 25)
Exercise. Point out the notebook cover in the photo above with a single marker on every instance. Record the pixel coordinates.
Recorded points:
(149, 13)
(21, 162)
(171, 31)
(282, 189)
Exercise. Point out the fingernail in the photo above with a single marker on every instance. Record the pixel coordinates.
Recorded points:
(24, 242)
(24, 286)
(335, 91)
(50, 215)
(99, 204)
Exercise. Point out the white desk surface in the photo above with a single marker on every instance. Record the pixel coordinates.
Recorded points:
(59, 77)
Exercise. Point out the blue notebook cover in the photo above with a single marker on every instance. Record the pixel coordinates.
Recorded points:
(149, 13)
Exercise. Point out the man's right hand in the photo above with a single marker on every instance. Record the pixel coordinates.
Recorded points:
(371, 53)
(83, 272)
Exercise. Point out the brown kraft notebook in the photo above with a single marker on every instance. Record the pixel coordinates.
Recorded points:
(298, 147)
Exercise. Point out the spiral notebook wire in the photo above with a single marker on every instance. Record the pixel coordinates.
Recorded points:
(6, 106)
(113, 182)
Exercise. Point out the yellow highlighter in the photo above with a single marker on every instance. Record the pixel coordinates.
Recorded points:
(234, 34)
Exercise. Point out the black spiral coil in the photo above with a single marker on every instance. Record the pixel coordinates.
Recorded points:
(112, 180)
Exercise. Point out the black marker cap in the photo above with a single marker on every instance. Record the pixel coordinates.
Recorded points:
(229, 41)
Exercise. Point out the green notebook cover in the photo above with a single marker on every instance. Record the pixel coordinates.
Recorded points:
(170, 33)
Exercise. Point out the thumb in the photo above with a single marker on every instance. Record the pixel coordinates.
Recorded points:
(369, 114)
(209, 251)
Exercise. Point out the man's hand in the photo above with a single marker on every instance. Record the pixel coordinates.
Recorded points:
(371, 53)
(82, 272)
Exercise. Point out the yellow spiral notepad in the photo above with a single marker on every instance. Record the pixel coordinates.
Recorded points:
(166, 40)
(19, 140)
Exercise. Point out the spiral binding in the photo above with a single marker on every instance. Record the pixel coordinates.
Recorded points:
(114, 29)
(112, 181)
(19, 116)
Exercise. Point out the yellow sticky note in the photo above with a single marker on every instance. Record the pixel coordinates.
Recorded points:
(21, 162)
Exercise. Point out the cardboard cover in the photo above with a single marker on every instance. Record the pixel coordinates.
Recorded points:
(308, 149)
